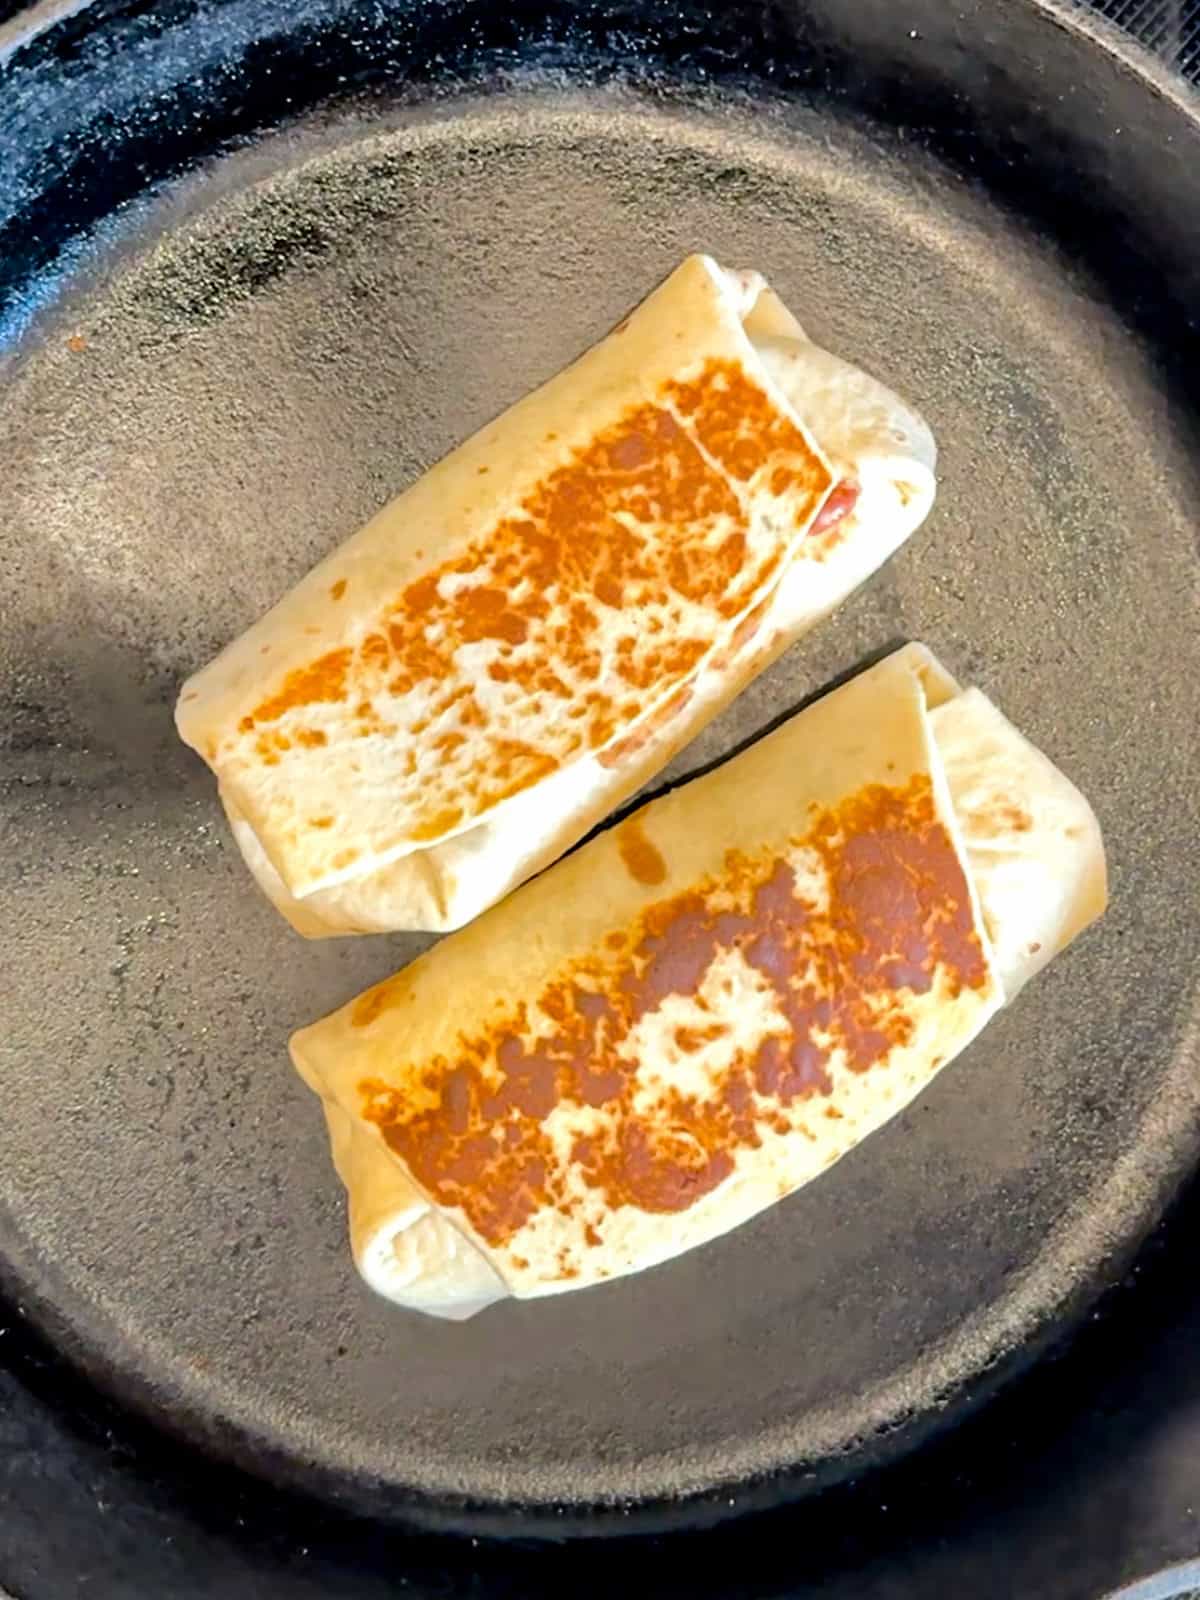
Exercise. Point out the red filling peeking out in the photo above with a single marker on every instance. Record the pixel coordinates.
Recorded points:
(843, 498)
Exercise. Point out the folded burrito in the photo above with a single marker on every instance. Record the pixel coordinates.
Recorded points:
(707, 1005)
(469, 684)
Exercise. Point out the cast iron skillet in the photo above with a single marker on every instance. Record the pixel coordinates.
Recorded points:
(259, 264)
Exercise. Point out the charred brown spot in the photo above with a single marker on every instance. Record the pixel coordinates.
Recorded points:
(898, 917)
(1003, 816)
(651, 518)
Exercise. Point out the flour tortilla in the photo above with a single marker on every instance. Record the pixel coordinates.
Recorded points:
(366, 827)
(1029, 855)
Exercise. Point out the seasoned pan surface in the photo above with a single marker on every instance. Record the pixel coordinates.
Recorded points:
(271, 319)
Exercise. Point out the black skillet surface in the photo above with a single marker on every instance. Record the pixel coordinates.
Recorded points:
(429, 209)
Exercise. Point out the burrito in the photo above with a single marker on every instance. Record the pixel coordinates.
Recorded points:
(707, 1005)
(515, 645)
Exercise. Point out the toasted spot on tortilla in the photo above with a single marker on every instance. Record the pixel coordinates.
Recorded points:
(324, 680)
(642, 860)
(836, 973)
(583, 608)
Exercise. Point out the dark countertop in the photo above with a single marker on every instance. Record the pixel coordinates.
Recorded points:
(1080, 1477)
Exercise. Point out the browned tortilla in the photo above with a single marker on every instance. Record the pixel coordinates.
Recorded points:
(695, 1013)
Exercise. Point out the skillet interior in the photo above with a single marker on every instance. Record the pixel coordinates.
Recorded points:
(427, 210)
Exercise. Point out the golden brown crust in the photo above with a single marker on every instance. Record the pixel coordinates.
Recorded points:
(568, 580)
(638, 1049)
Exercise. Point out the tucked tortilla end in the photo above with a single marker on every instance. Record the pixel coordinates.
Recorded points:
(1032, 840)
(414, 899)
(404, 1250)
